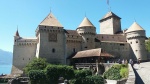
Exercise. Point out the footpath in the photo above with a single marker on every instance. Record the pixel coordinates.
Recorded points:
(142, 73)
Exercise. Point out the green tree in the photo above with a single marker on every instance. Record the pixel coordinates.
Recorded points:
(147, 45)
(37, 77)
(36, 64)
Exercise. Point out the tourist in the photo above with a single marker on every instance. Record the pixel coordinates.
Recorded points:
(119, 61)
(131, 62)
(123, 61)
(138, 62)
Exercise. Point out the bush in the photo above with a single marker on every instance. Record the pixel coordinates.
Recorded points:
(94, 80)
(124, 72)
(116, 72)
(80, 76)
(37, 77)
(36, 64)
(53, 72)
(88, 80)
(3, 80)
(82, 73)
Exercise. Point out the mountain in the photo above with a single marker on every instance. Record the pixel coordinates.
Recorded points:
(5, 57)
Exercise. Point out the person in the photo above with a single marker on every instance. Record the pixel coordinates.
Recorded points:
(126, 61)
(131, 62)
(119, 61)
(138, 61)
(123, 61)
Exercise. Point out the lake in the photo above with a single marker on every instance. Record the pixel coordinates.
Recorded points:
(5, 69)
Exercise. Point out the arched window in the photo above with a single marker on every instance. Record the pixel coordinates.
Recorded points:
(53, 50)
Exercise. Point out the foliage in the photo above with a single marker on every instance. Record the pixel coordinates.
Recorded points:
(82, 73)
(3, 80)
(37, 77)
(94, 80)
(53, 72)
(116, 72)
(88, 80)
(124, 72)
(36, 64)
(147, 45)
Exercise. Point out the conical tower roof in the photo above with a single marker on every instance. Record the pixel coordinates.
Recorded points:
(50, 20)
(134, 27)
(86, 22)
(110, 14)
(17, 33)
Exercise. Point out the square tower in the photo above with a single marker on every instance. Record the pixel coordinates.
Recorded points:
(110, 24)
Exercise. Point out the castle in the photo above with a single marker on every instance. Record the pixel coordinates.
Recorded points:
(56, 44)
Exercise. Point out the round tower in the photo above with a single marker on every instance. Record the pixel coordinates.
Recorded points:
(136, 39)
(87, 30)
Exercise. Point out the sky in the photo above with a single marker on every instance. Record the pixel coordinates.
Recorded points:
(27, 14)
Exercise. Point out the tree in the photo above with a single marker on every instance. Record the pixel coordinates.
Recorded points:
(147, 45)
(36, 64)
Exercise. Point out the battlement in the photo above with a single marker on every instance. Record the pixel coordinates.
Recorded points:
(26, 42)
(49, 29)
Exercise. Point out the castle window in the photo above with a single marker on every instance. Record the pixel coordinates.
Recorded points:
(15, 40)
(74, 50)
(136, 41)
(85, 47)
(87, 38)
(53, 50)
(23, 59)
(45, 26)
(130, 42)
(102, 37)
(29, 58)
(121, 44)
(136, 50)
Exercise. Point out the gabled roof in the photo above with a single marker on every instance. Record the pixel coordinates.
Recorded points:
(92, 53)
(134, 27)
(110, 14)
(50, 20)
(86, 23)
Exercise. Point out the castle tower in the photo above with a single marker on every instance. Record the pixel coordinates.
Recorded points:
(136, 39)
(110, 24)
(87, 30)
(51, 42)
(23, 52)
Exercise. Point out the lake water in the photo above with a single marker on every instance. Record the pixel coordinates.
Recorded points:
(5, 69)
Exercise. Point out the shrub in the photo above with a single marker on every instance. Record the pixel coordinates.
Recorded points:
(88, 80)
(53, 72)
(36, 64)
(37, 77)
(80, 76)
(82, 73)
(116, 72)
(124, 72)
(94, 80)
